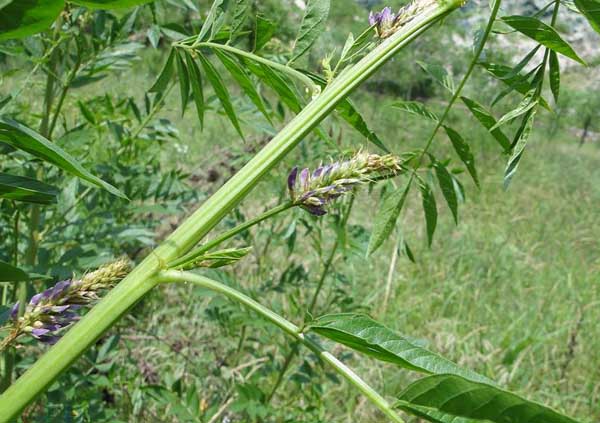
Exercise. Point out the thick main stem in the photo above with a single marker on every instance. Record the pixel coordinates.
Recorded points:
(140, 281)
(291, 329)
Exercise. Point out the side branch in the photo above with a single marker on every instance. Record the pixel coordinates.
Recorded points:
(171, 276)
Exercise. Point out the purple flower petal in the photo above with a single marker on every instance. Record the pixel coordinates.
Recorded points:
(35, 299)
(292, 179)
(50, 340)
(61, 308)
(304, 178)
(314, 210)
(60, 288)
(307, 195)
(386, 15)
(318, 171)
(14, 311)
(372, 18)
(39, 332)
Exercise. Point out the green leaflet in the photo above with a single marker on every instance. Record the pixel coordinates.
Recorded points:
(386, 218)
(313, 24)
(284, 88)
(432, 415)
(543, 34)
(439, 74)
(591, 10)
(446, 182)
(520, 143)
(217, 259)
(264, 31)
(213, 13)
(21, 18)
(23, 138)
(221, 92)
(274, 79)
(10, 273)
(87, 113)
(518, 82)
(521, 65)
(430, 210)
(457, 396)
(243, 79)
(352, 116)
(464, 152)
(160, 85)
(554, 74)
(184, 81)
(28, 190)
(197, 91)
(110, 4)
(364, 334)
(239, 16)
(416, 108)
(529, 102)
(488, 121)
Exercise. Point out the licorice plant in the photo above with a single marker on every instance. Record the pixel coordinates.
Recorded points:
(447, 392)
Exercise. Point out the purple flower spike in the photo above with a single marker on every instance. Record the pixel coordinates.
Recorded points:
(327, 183)
(52, 310)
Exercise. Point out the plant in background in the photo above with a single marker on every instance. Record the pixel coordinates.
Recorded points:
(445, 392)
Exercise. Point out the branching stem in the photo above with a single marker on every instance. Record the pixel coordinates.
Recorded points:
(288, 70)
(229, 234)
(288, 327)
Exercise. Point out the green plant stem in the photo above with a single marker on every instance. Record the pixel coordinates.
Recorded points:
(63, 95)
(329, 262)
(547, 52)
(313, 303)
(229, 234)
(463, 82)
(288, 70)
(288, 327)
(127, 293)
(152, 113)
(34, 219)
(8, 358)
(64, 214)
(290, 356)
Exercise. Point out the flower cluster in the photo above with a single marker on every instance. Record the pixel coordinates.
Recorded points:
(313, 191)
(383, 21)
(387, 22)
(55, 308)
